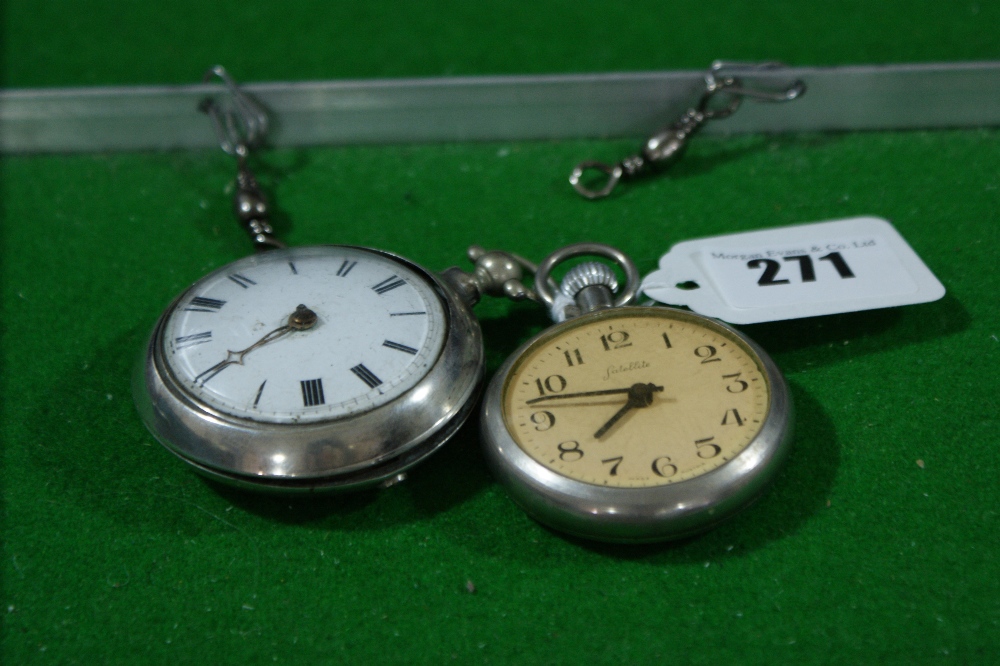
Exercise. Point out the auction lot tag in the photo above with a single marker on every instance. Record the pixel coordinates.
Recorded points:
(860, 263)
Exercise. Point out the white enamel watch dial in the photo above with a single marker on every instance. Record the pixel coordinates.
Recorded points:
(311, 368)
(376, 329)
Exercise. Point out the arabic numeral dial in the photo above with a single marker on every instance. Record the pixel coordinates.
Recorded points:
(636, 398)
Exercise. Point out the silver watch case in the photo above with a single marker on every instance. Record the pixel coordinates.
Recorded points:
(637, 515)
(347, 453)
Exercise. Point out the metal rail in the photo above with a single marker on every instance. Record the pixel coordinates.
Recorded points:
(509, 108)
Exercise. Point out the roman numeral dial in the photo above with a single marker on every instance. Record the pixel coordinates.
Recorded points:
(202, 304)
(388, 284)
(305, 334)
(366, 375)
(312, 392)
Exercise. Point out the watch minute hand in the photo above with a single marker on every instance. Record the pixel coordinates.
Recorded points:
(299, 320)
(582, 394)
(303, 318)
(585, 394)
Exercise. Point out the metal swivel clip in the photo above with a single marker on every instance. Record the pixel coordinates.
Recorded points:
(667, 145)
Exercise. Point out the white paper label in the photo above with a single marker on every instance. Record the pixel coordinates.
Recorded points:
(806, 270)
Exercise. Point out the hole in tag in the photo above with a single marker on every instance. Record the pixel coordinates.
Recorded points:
(689, 285)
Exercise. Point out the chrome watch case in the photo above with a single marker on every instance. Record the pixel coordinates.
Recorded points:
(588, 293)
(637, 514)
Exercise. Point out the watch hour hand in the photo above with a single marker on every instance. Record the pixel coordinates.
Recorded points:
(303, 318)
(614, 419)
(639, 395)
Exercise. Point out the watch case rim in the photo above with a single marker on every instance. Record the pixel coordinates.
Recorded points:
(637, 515)
(350, 452)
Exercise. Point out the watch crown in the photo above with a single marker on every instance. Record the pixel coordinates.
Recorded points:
(589, 286)
(588, 274)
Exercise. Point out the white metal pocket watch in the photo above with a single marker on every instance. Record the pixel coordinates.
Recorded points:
(313, 368)
(632, 424)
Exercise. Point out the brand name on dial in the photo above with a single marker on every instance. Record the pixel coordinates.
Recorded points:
(623, 368)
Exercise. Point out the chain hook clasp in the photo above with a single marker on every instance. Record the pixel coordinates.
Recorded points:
(668, 144)
(241, 125)
(716, 82)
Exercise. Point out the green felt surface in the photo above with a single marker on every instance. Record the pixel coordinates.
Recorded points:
(877, 543)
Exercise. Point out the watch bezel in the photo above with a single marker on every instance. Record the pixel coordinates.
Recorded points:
(348, 452)
(644, 514)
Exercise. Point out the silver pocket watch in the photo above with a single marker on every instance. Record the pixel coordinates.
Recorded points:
(313, 368)
(632, 424)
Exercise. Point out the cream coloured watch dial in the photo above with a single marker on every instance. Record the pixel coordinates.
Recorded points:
(636, 397)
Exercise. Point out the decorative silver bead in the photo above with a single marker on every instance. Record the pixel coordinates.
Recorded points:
(249, 206)
(498, 273)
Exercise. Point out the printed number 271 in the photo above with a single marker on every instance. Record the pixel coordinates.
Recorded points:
(806, 269)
